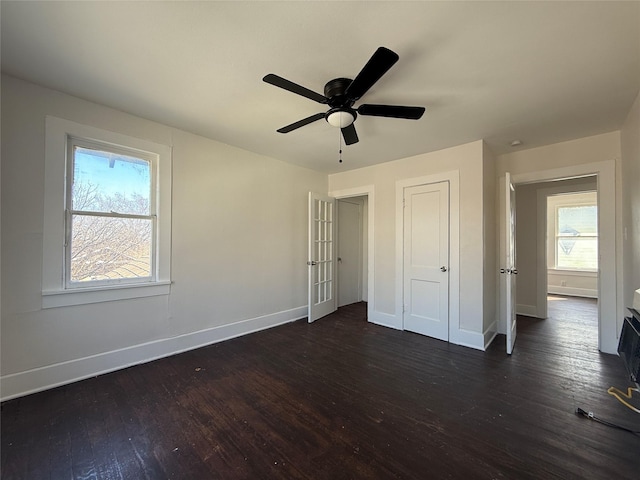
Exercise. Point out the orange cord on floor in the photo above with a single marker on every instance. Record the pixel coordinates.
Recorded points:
(619, 394)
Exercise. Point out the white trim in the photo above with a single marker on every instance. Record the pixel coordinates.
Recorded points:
(541, 253)
(456, 334)
(57, 133)
(65, 298)
(50, 376)
(385, 320)
(572, 273)
(467, 338)
(566, 200)
(369, 192)
(573, 291)
(609, 296)
(490, 334)
(527, 310)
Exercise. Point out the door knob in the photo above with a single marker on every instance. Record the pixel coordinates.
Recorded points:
(514, 271)
(312, 263)
(443, 269)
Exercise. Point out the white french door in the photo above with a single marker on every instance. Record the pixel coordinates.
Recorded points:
(321, 263)
(426, 260)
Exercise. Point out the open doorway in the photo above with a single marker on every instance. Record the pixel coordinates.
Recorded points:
(352, 250)
(557, 252)
(367, 194)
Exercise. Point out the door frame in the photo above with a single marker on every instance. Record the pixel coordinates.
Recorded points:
(609, 241)
(369, 192)
(453, 177)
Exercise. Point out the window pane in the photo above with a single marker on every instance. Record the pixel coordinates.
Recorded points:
(577, 253)
(579, 220)
(109, 182)
(106, 248)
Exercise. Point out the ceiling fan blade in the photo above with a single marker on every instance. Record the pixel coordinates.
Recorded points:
(301, 123)
(349, 134)
(379, 63)
(393, 111)
(294, 87)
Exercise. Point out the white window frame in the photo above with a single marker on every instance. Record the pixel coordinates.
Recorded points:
(556, 236)
(60, 134)
(152, 158)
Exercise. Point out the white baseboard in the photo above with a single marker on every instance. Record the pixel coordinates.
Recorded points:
(43, 378)
(466, 338)
(527, 310)
(490, 333)
(460, 337)
(573, 291)
(385, 320)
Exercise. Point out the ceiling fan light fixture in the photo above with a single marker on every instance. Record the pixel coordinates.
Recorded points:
(340, 118)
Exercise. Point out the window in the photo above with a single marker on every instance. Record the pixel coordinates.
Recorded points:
(107, 216)
(110, 231)
(575, 231)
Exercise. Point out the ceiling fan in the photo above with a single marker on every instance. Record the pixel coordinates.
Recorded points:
(342, 93)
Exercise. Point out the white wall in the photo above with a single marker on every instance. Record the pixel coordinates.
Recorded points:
(576, 284)
(526, 249)
(599, 154)
(574, 152)
(630, 145)
(468, 161)
(238, 249)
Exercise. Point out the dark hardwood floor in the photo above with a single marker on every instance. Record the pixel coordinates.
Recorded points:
(337, 399)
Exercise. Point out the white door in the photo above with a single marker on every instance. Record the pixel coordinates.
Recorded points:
(508, 269)
(426, 260)
(321, 265)
(349, 258)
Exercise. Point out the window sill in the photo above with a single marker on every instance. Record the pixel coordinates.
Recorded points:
(83, 296)
(577, 273)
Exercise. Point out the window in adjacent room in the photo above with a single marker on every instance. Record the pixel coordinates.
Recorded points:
(575, 231)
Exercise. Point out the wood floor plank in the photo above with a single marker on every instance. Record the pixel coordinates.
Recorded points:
(340, 398)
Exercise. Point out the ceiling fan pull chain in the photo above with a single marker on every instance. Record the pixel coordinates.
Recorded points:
(340, 145)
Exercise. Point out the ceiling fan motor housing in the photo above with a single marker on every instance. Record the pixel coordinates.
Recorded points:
(335, 90)
(341, 114)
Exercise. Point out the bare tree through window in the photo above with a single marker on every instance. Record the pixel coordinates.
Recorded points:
(111, 225)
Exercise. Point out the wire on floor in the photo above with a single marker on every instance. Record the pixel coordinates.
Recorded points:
(591, 416)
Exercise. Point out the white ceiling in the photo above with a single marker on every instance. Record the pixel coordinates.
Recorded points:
(540, 72)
